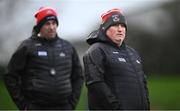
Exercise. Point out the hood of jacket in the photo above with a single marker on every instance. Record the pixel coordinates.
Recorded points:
(99, 35)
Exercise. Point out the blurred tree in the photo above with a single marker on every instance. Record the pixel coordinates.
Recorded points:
(155, 34)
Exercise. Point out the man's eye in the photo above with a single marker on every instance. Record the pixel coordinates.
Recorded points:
(122, 25)
(116, 25)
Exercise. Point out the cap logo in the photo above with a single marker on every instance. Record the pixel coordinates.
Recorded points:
(115, 18)
(49, 12)
(51, 18)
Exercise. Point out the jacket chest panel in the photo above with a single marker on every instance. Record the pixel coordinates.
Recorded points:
(117, 60)
(49, 54)
(121, 62)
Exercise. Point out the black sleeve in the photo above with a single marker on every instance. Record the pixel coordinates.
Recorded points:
(145, 82)
(147, 92)
(94, 75)
(13, 76)
(103, 92)
(76, 79)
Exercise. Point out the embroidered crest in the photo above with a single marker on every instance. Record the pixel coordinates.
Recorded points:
(122, 59)
(115, 18)
(62, 54)
(137, 61)
(115, 52)
(49, 12)
(38, 44)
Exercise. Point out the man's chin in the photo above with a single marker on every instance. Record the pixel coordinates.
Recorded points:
(119, 41)
(50, 37)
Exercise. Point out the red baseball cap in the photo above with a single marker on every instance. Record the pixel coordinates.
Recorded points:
(44, 12)
(109, 13)
(43, 15)
(112, 17)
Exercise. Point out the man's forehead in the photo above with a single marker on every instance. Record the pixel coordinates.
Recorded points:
(50, 21)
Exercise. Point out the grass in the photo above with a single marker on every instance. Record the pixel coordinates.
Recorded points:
(164, 92)
(83, 100)
(5, 99)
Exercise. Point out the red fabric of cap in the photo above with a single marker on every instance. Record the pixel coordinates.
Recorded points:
(43, 12)
(109, 13)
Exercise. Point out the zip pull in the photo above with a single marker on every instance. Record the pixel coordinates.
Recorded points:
(52, 71)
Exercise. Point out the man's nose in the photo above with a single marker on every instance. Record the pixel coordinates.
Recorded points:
(52, 26)
(121, 27)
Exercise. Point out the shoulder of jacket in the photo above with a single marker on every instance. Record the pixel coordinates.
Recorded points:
(65, 42)
(98, 45)
(23, 45)
(25, 42)
(96, 48)
(132, 50)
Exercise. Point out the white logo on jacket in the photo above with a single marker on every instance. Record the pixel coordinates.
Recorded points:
(38, 44)
(62, 54)
(115, 52)
(137, 61)
(42, 53)
(122, 59)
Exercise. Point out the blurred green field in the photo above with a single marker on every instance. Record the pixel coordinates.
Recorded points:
(164, 94)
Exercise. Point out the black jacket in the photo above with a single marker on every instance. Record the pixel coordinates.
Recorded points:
(114, 75)
(45, 72)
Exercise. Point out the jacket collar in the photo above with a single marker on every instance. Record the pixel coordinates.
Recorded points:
(43, 39)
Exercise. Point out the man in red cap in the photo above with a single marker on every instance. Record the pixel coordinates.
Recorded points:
(113, 70)
(45, 71)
